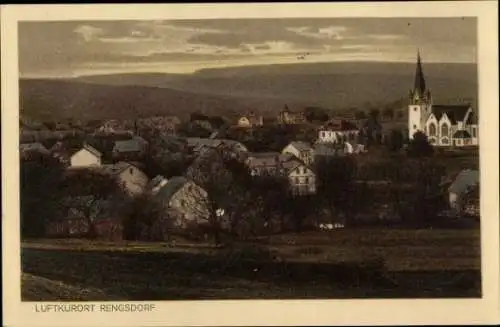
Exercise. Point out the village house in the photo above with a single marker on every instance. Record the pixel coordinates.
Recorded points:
(129, 176)
(301, 150)
(197, 145)
(326, 150)
(131, 148)
(352, 147)
(471, 201)
(301, 177)
(112, 126)
(183, 200)
(264, 163)
(287, 117)
(87, 156)
(444, 125)
(337, 131)
(459, 187)
(250, 120)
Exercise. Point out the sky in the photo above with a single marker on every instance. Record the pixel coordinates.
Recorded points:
(75, 48)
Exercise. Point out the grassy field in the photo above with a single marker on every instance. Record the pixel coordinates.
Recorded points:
(371, 263)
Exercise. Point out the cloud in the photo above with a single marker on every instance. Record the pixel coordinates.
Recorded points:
(65, 45)
(127, 39)
(322, 33)
(88, 32)
(386, 36)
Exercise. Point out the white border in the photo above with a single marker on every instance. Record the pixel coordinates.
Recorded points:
(237, 313)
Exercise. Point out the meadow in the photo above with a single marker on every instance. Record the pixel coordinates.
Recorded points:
(350, 263)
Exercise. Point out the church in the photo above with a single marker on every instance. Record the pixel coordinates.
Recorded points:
(444, 125)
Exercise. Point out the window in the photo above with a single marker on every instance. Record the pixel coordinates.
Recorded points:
(307, 180)
(296, 180)
(414, 126)
(131, 170)
(444, 140)
(297, 170)
(474, 132)
(303, 170)
(414, 108)
(432, 129)
(444, 130)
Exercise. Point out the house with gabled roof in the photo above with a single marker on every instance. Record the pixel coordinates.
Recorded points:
(444, 125)
(301, 150)
(132, 179)
(127, 175)
(250, 120)
(86, 156)
(135, 147)
(264, 163)
(460, 186)
(301, 177)
(183, 200)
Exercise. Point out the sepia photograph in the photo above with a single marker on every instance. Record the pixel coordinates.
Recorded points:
(249, 158)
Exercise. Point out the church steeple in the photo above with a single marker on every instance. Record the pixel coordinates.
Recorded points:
(419, 85)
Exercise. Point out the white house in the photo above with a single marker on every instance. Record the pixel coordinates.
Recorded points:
(85, 157)
(301, 178)
(459, 187)
(337, 131)
(301, 150)
(444, 125)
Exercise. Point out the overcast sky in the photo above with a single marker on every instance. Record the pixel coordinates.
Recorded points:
(73, 48)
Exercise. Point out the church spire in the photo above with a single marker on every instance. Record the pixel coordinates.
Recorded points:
(419, 86)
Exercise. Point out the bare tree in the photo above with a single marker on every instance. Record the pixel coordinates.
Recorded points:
(92, 195)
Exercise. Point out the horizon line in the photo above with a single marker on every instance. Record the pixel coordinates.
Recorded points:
(145, 71)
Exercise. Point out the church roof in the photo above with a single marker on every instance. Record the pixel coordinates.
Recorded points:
(472, 119)
(454, 112)
(419, 85)
(461, 134)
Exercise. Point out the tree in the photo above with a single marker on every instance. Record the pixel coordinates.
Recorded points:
(414, 189)
(92, 195)
(336, 183)
(315, 114)
(272, 193)
(225, 198)
(216, 121)
(419, 146)
(395, 140)
(359, 115)
(374, 113)
(388, 113)
(147, 220)
(40, 176)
